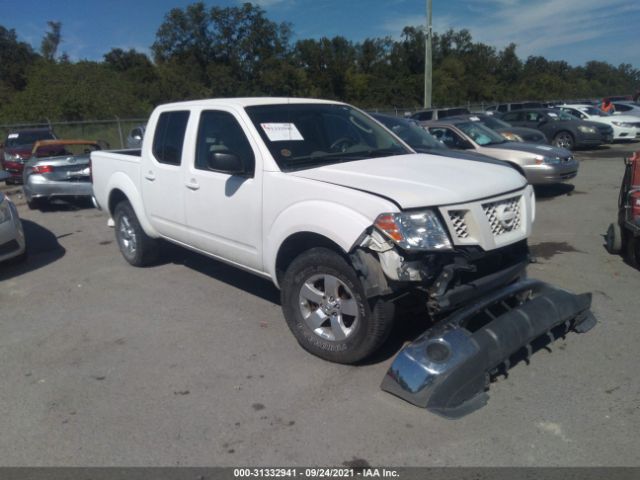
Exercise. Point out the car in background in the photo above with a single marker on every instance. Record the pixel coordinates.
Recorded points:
(508, 107)
(624, 126)
(564, 130)
(17, 149)
(58, 168)
(437, 113)
(627, 108)
(12, 240)
(134, 139)
(542, 164)
(514, 134)
(419, 139)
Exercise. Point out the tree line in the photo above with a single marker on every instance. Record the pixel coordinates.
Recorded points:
(202, 51)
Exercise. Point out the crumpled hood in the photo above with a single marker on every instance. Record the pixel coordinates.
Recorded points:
(420, 180)
(535, 148)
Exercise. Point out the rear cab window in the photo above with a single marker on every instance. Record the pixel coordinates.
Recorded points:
(168, 138)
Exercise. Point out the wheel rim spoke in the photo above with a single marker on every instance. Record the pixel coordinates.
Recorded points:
(331, 286)
(338, 329)
(349, 307)
(310, 293)
(315, 319)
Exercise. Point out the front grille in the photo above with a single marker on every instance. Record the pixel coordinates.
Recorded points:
(459, 225)
(503, 216)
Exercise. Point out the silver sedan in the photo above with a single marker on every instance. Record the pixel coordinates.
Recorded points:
(58, 168)
(12, 243)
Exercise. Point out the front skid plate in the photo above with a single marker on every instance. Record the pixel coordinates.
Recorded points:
(446, 369)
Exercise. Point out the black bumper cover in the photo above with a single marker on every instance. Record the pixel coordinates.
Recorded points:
(447, 368)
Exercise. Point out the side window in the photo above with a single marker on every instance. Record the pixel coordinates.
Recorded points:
(220, 132)
(533, 117)
(423, 116)
(512, 117)
(621, 107)
(503, 108)
(448, 137)
(169, 137)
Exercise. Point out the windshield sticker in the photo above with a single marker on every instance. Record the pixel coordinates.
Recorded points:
(281, 132)
(13, 135)
(474, 119)
(542, 147)
(285, 152)
(552, 115)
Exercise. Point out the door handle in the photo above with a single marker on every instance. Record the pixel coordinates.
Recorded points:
(192, 185)
(150, 176)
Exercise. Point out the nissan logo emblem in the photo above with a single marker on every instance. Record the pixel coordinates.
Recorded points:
(506, 215)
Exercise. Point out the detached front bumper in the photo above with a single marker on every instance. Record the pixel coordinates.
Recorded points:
(447, 369)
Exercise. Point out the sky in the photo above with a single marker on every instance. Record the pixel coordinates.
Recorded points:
(573, 30)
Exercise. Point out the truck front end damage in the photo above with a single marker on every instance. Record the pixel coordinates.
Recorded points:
(484, 309)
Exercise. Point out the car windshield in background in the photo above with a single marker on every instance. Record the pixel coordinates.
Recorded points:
(561, 116)
(411, 133)
(15, 140)
(481, 134)
(66, 150)
(595, 112)
(310, 135)
(493, 122)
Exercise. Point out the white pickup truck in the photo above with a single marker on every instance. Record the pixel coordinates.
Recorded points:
(340, 214)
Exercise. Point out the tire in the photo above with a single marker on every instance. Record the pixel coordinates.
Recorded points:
(564, 139)
(35, 203)
(614, 238)
(632, 254)
(345, 327)
(137, 248)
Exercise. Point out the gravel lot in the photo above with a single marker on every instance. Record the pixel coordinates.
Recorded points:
(191, 363)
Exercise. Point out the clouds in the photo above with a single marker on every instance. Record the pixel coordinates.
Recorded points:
(553, 28)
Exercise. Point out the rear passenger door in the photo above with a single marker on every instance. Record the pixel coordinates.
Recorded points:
(224, 210)
(517, 118)
(162, 176)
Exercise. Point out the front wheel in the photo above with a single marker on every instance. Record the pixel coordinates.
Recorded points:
(614, 238)
(137, 248)
(564, 140)
(325, 307)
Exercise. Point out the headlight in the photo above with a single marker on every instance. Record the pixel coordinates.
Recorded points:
(5, 210)
(419, 230)
(512, 137)
(540, 159)
(585, 129)
(622, 124)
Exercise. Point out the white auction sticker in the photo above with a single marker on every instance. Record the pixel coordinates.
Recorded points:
(542, 147)
(13, 135)
(281, 132)
(474, 119)
(552, 115)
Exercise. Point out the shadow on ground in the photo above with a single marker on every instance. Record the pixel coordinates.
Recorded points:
(42, 249)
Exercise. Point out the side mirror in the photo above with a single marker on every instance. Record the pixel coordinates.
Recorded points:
(226, 162)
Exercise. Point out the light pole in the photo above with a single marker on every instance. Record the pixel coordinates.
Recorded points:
(427, 59)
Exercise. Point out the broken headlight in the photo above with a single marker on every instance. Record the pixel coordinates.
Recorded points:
(418, 230)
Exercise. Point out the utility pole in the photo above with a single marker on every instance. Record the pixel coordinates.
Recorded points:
(427, 59)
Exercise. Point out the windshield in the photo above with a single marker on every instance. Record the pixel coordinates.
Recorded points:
(561, 116)
(27, 139)
(411, 133)
(595, 112)
(493, 122)
(311, 135)
(480, 134)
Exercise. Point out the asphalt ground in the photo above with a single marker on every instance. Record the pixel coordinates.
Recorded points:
(191, 363)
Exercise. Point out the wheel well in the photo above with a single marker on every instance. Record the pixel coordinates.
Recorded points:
(298, 243)
(115, 197)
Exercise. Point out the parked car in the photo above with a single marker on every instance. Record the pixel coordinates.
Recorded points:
(17, 150)
(436, 113)
(134, 139)
(543, 164)
(627, 108)
(509, 132)
(419, 139)
(58, 168)
(344, 218)
(12, 240)
(624, 126)
(508, 107)
(564, 130)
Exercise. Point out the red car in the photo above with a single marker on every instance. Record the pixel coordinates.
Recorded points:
(17, 150)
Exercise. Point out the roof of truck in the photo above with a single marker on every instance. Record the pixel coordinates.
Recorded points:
(246, 102)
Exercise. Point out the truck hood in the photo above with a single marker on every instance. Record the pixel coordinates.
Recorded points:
(420, 180)
(534, 148)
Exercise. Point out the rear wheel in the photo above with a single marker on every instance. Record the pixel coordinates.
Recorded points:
(138, 248)
(614, 238)
(564, 140)
(326, 309)
(35, 203)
